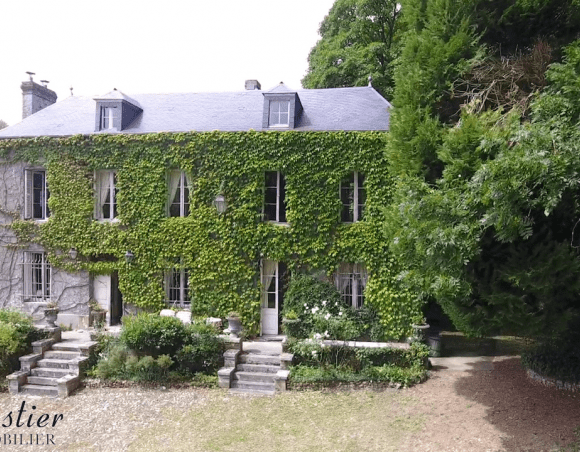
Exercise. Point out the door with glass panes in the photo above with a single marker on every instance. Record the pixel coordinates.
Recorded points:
(273, 284)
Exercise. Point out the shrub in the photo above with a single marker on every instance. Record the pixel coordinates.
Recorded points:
(559, 359)
(17, 332)
(153, 335)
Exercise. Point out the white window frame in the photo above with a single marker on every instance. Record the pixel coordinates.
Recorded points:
(279, 202)
(29, 195)
(184, 181)
(354, 205)
(112, 174)
(349, 276)
(36, 277)
(275, 115)
(107, 117)
(183, 299)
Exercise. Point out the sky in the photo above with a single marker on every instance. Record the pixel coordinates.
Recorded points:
(167, 46)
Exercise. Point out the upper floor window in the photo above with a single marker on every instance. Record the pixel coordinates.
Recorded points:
(177, 286)
(36, 194)
(351, 281)
(353, 197)
(275, 197)
(106, 194)
(279, 113)
(107, 117)
(178, 200)
(36, 277)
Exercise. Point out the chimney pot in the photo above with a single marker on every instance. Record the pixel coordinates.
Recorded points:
(252, 85)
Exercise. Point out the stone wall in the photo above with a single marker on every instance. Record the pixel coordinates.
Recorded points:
(70, 291)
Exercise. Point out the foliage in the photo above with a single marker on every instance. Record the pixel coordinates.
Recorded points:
(202, 350)
(151, 334)
(17, 332)
(319, 310)
(482, 219)
(222, 252)
(3, 124)
(119, 364)
(359, 38)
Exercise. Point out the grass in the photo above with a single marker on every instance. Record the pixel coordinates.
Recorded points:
(304, 421)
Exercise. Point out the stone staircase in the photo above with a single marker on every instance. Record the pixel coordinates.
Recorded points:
(54, 369)
(255, 370)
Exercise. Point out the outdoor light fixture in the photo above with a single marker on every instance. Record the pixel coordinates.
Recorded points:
(220, 203)
(129, 256)
(73, 253)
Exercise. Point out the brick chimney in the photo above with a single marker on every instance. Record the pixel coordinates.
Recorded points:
(35, 97)
(253, 84)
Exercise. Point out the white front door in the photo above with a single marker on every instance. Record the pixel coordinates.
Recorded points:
(271, 289)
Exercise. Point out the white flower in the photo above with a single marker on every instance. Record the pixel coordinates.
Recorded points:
(326, 334)
(305, 305)
(327, 316)
(324, 303)
(314, 352)
(314, 309)
(340, 313)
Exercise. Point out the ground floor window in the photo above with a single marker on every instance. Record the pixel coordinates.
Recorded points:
(177, 287)
(36, 276)
(351, 281)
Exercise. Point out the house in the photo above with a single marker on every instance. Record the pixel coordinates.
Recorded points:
(190, 199)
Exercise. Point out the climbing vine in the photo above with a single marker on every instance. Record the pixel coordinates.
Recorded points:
(221, 251)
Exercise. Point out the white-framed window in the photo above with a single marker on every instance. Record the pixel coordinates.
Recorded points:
(106, 195)
(351, 281)
(275, 197)
(36, 194)
(36, 276)
(353, 197)
(107, 117)
(274, 280)
(178, 194)
(177, 286)
(279, 113)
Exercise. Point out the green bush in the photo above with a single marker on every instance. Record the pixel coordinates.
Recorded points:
(559, 359)
(203, 350)
(17, 332)
(153, 335)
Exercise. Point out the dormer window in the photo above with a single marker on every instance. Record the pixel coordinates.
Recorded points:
(282, 108)
(115, 112)
(107, 117)
(279, 113)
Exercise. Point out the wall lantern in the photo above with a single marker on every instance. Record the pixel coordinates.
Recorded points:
(220, 203)
(129, 256)
(73, 253)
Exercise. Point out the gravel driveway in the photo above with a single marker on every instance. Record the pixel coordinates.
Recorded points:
(479, 408)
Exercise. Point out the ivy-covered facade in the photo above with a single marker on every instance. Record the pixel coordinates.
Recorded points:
(216, 220)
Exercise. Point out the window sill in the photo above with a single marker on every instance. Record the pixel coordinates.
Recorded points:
(278, 223)
(41, 220)
(107, 220)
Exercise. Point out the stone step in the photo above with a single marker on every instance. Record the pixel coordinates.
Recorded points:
(265, 368)
(53, 363)
(61, 354)
(253, 386)
(252, 391)
(254, 358)
(43, 381)
(264, 377)
(49, 372)
(72, 346)
(40, 390)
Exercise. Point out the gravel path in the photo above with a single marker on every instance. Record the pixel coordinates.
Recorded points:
(483, 409)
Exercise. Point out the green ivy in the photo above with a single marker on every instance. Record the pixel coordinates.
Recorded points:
(223, 252)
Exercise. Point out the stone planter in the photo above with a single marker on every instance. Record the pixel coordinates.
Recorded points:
(434, 343)
(420, 332)
(50, 315)
(235, 326)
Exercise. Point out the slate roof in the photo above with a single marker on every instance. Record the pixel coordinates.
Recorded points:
(350, 109)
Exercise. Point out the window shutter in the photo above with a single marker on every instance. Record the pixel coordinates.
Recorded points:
(26, 276)
(27, 194)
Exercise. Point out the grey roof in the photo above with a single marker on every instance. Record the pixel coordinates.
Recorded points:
(323, 110)
(117, 95)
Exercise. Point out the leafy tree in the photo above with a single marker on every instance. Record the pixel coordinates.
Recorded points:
(485, 216)
(3, 124)
(359, 38)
